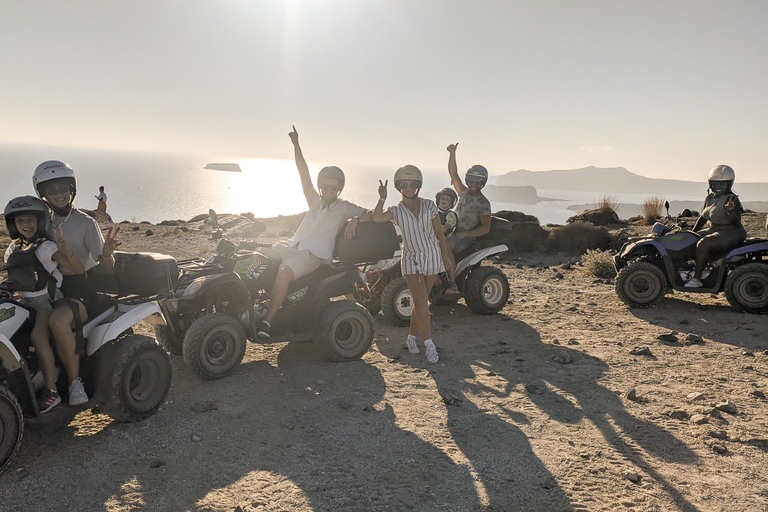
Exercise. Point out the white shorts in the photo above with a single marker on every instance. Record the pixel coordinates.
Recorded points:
(300, 262)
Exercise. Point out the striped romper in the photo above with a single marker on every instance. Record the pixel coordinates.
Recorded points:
(421, 248)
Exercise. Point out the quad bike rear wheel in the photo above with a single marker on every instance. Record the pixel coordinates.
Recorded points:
(486, 290)
(746, 288)
(397, 303)
(345, 332)
(214, 346)
(640, 284)
(136, 378)
(11, 426)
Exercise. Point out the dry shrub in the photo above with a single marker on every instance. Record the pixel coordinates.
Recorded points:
(608, 202)
(577, 237)
(598, 263)
(652, 207)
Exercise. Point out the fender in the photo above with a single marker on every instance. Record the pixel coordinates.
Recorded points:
(203, 285)
(12, 317)
(112, 323)
(631, 247)
(9, 356)
(747, 249)
(334, 285)
(478, 256)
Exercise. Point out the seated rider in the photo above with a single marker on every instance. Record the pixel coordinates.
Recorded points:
(446, 199)
(313, 242)
(722, 215)
(473, 209)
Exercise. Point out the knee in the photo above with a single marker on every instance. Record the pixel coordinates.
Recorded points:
(284, 276)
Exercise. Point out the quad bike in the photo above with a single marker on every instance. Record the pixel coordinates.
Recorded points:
(649, 266)
(217, 304)
(485, 289)
(126, 375)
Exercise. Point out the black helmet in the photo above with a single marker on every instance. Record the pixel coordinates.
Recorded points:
(477, 173)
(333, 172)
(449, 191)
(29, 205)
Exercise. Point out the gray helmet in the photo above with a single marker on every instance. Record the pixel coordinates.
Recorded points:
(29, 205)
(449, 191)
(477, 173)
(333, 172)
(723, 173)
(53, 170)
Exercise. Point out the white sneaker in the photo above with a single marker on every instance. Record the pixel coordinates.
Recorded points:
(694, 283)
(77, 394)
(432, 356)
(411, 342)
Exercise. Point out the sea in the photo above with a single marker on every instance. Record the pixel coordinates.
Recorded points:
(155, 187)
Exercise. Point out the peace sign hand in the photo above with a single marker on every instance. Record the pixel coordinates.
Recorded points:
(730, 204)
(111, 242)
(61, 244)
(383, 189)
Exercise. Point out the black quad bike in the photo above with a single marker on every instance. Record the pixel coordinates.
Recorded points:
(126, 375)
(217, 303)
(485, 289)
(649, 266)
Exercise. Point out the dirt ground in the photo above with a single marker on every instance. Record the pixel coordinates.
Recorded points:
(540, 407)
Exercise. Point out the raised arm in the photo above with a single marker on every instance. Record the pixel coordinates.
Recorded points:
(453, 169)
(379, 215)
(301, 165)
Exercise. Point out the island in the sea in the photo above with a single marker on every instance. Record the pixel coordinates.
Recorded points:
(223, 167)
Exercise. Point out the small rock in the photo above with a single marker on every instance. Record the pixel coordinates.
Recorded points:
(149, 232)
(452, 399)
(563, 357)
(684, 322)
(157, 463)
(757, 393)
(632, 395)
(699, 419)
(641, 351)
(532, 389)
(345, 404)
(184, 229)
(573, 341)
(573, 308)
(765, 352)
(556, 341)
(238, 509)
(718, 434)
(719, 448)
(559, 276)
(678, 415)
(748, 353)
(695, 396)
(135, 228)
(667, 338)
(727, 406)
(693, 339)
(196, 438)
(633, 477)
(207, 406)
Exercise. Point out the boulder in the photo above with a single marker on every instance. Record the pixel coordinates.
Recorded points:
(597, 217)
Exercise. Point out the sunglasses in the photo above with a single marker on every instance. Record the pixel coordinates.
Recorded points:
(474, 182)
(57, 188)
(330, 187)
(409, 184)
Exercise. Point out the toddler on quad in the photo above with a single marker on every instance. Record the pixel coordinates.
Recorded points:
(33, 262)
(446, 199)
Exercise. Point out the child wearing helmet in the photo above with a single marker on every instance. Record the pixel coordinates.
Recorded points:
(446, 199)
(313, 242)
(473, 209)
(56, 184)
(33, 263)
(424, 253)
(719, 223)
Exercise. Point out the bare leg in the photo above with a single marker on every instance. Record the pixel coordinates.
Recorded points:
(61, 323)
(452, 259)
(41, 341)
(279, 292)
(706, 247)
(420, 287)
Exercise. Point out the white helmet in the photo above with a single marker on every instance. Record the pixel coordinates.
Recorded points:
(722, 173)
(53, 170)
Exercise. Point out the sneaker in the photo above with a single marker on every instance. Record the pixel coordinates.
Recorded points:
(452, 290)
(47, 399)
(432, 356)
(262, 329)
(411, 342)
(694, 283)
(77, 394)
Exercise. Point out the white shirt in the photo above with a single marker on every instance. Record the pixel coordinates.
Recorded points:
(83, 235)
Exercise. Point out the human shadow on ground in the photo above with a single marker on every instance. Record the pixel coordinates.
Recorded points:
(718, 322)
(304, 433)
(498, 449)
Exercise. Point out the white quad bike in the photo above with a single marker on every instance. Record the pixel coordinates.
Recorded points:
(126, 375)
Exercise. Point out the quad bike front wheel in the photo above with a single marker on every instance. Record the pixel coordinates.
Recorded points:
(214, 346)
(345, 332)
(397, 303)
(640, 284)
(486, 290)
(11, 426)
(746, 288)
(136, 378)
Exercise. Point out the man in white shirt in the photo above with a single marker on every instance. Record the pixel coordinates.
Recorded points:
(313, 243)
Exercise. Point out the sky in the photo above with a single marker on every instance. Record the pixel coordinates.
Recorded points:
(666, 89)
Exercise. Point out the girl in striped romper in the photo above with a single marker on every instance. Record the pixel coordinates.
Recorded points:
(424, 252)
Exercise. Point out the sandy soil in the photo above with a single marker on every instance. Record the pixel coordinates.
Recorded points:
(540, 407)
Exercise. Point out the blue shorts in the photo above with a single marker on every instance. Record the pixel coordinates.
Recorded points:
(460, 244)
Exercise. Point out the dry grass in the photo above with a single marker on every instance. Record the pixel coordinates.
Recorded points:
(608, 202)
(652, 207)
(598, 263)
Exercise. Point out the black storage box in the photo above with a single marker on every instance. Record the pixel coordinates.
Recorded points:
(501, 230)
(145, 273)
(372, 242)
